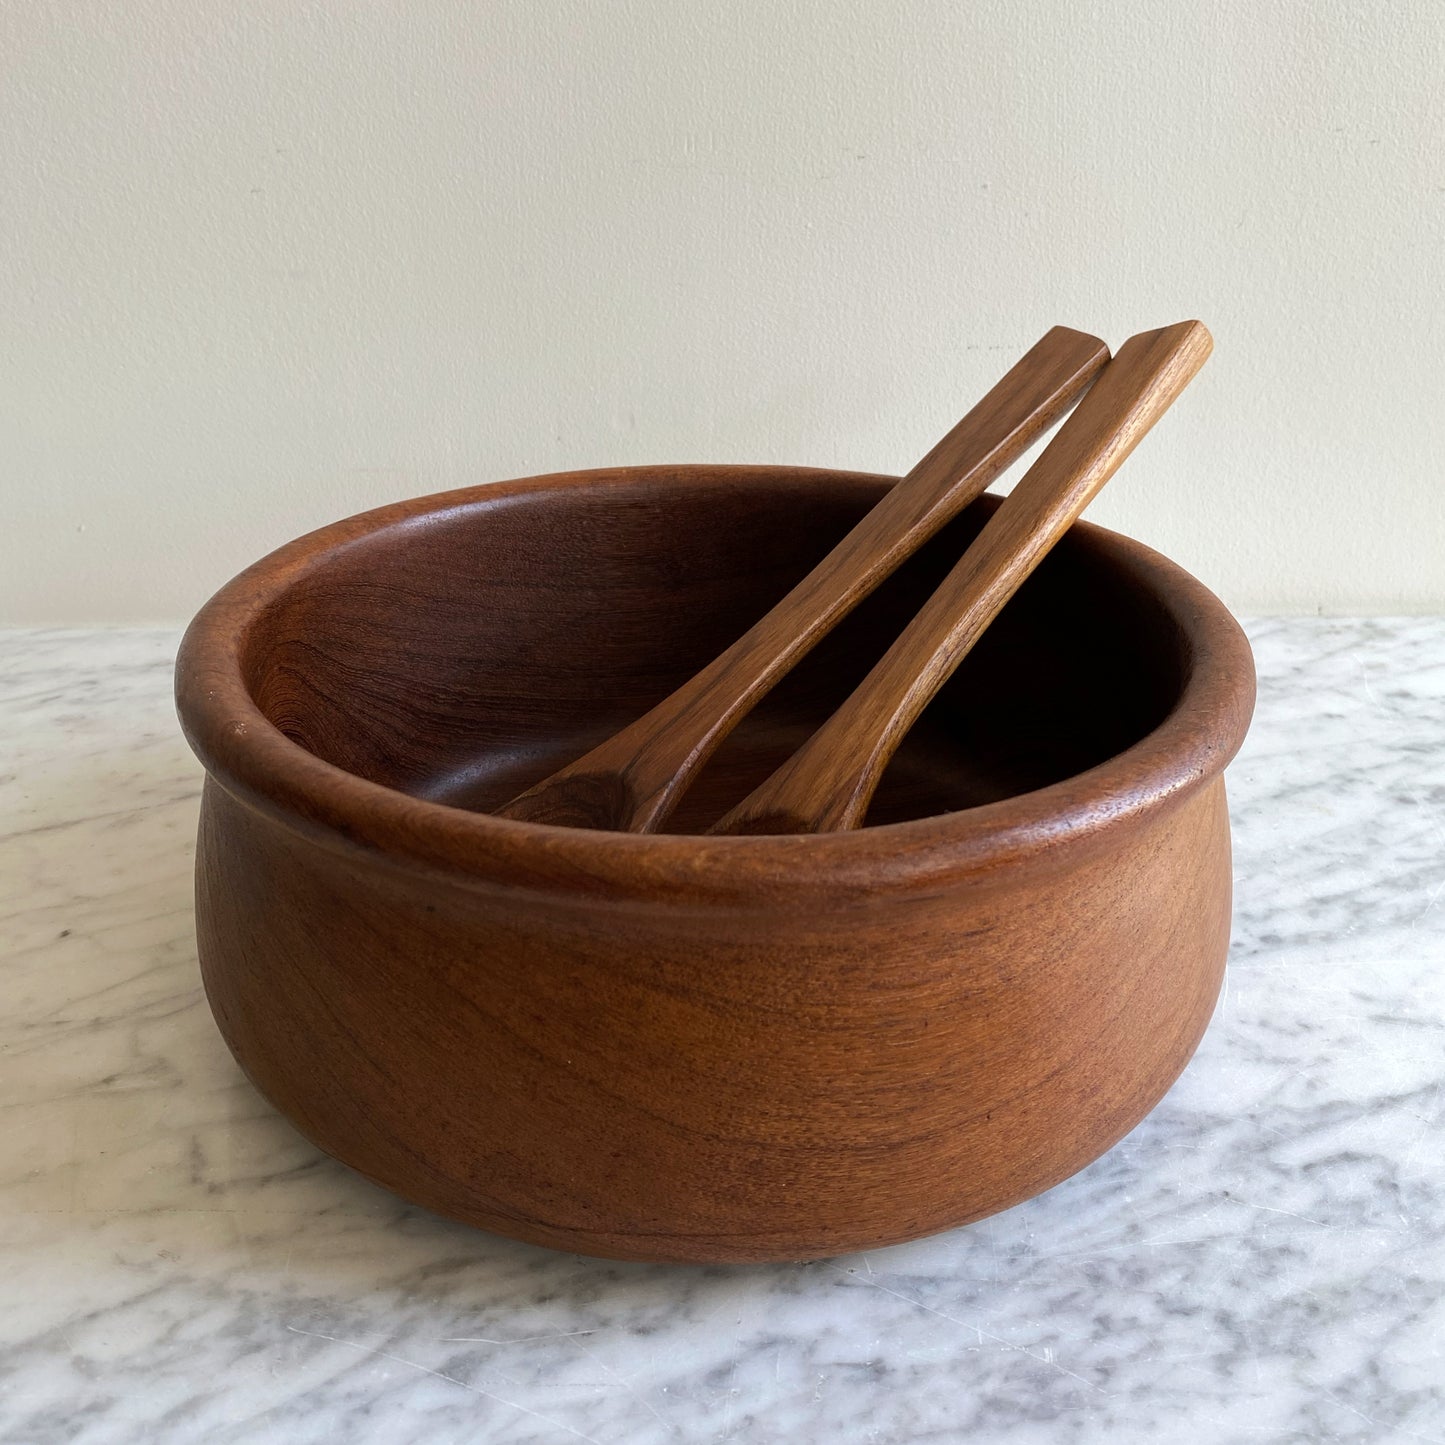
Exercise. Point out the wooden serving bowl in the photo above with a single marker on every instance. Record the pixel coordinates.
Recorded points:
(682, 1047)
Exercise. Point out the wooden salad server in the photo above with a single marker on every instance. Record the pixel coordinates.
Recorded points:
(632, 782)
(828, 783)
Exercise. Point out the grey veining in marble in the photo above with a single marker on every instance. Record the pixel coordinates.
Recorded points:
(1262, 1260)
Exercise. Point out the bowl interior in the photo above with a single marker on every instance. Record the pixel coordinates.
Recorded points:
(465, 653)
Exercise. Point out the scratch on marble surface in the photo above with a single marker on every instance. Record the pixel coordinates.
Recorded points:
(1045, 1358)
(1288, 1213)
(520, 1340)
(450, 1379)
(624, 1382)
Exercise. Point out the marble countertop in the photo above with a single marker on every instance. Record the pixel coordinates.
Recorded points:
(1263, 1259)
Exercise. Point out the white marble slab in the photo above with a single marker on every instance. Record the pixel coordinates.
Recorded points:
(1262, 1260)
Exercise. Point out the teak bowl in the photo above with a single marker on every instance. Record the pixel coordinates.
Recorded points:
(682, 1047)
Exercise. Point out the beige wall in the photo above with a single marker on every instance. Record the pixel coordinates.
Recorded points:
(263, 265)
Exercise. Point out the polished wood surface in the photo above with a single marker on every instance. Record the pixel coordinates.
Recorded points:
(674, 1046)
(633, 780)
(829, 782)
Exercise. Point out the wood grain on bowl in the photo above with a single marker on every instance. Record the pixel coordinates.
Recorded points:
(674, 1046)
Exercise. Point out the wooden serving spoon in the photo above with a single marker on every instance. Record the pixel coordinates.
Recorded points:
(632, 781)
(828, 783)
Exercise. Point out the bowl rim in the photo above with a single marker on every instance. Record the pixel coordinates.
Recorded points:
(247, 755)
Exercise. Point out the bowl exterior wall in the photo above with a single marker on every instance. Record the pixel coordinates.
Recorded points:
(699, 1082)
